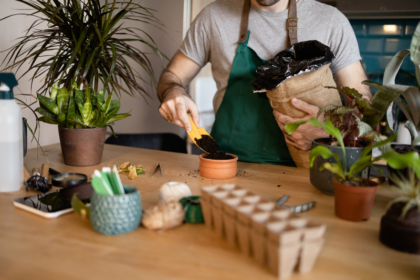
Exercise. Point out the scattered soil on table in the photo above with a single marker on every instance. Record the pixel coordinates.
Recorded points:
(210, 145)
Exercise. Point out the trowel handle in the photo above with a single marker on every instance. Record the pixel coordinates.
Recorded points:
(36, 170)
(45, 170)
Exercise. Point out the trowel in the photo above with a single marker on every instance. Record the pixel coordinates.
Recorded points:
(196, 132)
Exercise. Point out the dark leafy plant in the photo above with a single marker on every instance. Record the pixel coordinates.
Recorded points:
(85, 42)
(79, 108)
(347, 119)
(349, 173)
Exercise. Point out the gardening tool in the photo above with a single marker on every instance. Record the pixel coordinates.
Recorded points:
(39, 179)
(160, 170)
(196, 132)
(295, 208)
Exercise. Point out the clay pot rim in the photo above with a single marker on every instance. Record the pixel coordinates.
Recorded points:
(88, 128)
(315, 141)
(235, 158)
(373, 184)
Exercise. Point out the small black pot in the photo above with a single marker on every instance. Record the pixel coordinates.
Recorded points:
(323, 180)
(24, 137)
(404, 172)
(402, 235)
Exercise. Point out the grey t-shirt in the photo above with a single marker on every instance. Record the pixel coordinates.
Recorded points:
(214, 34)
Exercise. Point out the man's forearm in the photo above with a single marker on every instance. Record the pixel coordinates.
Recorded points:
(352, 76)
(168, 83)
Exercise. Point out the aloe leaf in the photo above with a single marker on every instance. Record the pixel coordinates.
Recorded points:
(415, 46)
(61, 118)
(80, 94)
(47, 120)
(71, 112)
(109, 104)
(62, 100)
(79, 123)
(84, 108)
(54, 91)
(112, 130)
(48, 103)
(412, 96)
(43, 111)
(118, 117)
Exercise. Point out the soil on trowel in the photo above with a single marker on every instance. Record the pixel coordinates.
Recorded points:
(210, 145)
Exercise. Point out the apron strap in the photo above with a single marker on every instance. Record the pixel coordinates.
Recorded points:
(292, 22)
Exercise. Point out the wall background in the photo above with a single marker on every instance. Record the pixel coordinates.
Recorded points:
(146, 118)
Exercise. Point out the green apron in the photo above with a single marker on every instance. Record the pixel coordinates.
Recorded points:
(245, 124)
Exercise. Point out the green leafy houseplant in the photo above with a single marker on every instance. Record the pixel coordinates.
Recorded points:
(79, 108)
(86, 42)
(406, 97)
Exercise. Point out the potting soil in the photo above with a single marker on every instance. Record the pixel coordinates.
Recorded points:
(210, 145)
(356, 183)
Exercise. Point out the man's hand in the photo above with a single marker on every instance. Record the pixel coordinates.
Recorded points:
(176, 103)
(302, 138)
(175, 106)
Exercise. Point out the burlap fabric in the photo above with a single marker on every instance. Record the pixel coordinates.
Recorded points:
(308, 87)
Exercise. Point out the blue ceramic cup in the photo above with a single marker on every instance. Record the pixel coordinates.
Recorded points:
(118, 214)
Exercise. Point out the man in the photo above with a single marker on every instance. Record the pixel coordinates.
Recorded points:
(245, 124)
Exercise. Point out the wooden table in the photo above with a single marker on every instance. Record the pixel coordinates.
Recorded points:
(32, 247)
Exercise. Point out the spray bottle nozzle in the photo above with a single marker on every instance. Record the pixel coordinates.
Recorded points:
(7, 83)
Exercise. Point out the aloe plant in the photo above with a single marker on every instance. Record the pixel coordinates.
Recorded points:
(79, 108)
(87, 42)
(388, 92)
(349, 173)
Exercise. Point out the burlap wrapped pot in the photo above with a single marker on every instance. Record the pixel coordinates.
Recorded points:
(308, 87)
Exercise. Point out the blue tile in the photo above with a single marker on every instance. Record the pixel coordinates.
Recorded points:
(394, 45)
(385, 29)
(410, 27)
(376, 63)
(408, 65)
(367, 45)
(359, 28)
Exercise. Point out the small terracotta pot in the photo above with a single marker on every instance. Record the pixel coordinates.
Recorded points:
(354, 203)
(82, 146)
(218, 169)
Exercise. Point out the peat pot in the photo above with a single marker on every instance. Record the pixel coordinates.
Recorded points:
(82, 146)
(353, 203)
(401, 149)
(218, 169)
(402, 235)
(323, 180)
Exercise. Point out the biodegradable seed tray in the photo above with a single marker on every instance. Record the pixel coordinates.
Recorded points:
(273, 236)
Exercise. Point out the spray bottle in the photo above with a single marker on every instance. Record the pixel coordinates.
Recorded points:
(11, 148)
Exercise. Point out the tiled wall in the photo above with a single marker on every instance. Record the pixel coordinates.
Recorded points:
(379, 41)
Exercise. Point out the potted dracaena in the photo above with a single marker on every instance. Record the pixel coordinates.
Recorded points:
(91, 44)
(354, 196)
(355, 134)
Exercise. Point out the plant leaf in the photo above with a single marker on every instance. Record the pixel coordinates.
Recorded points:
(415, 46)
(62, 100)
(117, 117)
(49, 104)
(79, 207)
(333, 168)
(47, 120)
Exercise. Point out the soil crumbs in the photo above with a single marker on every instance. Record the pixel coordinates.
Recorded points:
(210, 145)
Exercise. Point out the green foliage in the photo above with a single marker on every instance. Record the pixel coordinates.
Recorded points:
(87, 42)
(362, 163)
(67, 108)
(409, 190)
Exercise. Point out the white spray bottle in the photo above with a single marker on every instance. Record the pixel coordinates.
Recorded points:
(11, 148)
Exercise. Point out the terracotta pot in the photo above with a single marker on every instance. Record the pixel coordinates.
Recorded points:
(354, 203)
(218, 169)
(402, 235)
(82, 147)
